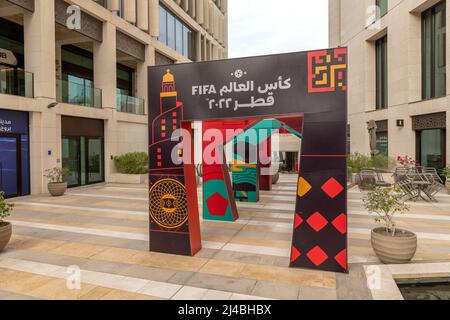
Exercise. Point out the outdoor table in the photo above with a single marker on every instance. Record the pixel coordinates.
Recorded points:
(421, 186)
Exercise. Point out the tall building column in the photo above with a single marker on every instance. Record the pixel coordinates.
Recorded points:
(198, 46)
(142, 75)
(153, 16)
(40, 56)
(105, 78)
(39, 40)
(130, 11)
(142, 14)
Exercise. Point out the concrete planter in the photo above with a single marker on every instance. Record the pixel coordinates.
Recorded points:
(128, 178)
(399, 249)
(275, 178)
(57, 189)
(5, 234)
(447, 184)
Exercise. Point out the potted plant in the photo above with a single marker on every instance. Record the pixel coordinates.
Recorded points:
(5, 227)
(56, 185)
(446, 174)
(391, 244)
(275, 177)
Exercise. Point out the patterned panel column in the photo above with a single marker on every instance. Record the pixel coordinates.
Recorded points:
(174, 219)
(320, 226)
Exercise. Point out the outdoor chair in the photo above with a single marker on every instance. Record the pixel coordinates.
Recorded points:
(432, 173)
(432, 190)
(380, 180)
(410, 191)
(367, 179)
(400, 174)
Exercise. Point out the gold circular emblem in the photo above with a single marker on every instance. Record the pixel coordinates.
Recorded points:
(168, 204)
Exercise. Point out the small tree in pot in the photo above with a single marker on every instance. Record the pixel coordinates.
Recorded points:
(56, 185)
(5, 227)
(391, 244)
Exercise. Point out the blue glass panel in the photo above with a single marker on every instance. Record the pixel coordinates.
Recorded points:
(25, 165)
(8, 166)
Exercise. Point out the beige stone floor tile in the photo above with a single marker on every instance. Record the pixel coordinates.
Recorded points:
(265, 242)
(223, 268)
(33, 244)
(143, 230)
(75, 249)
(80, 212)
(123, 295)
(209, 224)
(21, 282)
(96, 294)
(115, 255)
(217, 238)
(181, 263)
(290, 276)
(57, 289)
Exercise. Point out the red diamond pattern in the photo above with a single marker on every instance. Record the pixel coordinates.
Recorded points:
(295, 254)
(317, 256)
(298, 221)
(332, 188)
(317, 221)
(340, 223)
(341, 258)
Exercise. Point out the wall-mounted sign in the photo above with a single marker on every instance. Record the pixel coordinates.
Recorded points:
(14, 122)
(8, 57)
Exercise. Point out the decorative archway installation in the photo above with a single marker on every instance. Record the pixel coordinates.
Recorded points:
(312, 84)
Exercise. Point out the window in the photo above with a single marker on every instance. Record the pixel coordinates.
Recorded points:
(175, 34)
(162, 25)
(382, 137)
(382, 6)
(433, 52)
(381, 73)
(179, 36)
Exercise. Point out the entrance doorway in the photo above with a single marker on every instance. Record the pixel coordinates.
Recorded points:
(83, 150)
(83, 157)
(14, 153)
(431, 148)
(10, 168)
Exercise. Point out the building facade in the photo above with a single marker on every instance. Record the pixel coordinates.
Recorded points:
(398, 75)
(73, 80)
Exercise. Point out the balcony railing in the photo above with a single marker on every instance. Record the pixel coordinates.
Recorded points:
(130, 104)
(16, 82)
(78, 94)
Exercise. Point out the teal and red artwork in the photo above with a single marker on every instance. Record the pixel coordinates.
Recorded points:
(311, 86)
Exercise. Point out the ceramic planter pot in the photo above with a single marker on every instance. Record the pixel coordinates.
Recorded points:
(447, 184)
(275, 178)
(57, 189)
(5, 234)
(399, 249)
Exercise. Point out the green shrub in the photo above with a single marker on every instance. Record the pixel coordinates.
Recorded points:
(358, 161)
(132, 163)
(382, 162)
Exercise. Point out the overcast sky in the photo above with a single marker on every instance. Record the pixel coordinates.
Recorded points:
(259, 27)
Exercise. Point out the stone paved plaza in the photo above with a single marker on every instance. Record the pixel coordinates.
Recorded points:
(103, 230)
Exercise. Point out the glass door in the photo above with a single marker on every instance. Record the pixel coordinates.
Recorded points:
(9, 169)
(71, 160)
(432, 148)
(94, 160)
